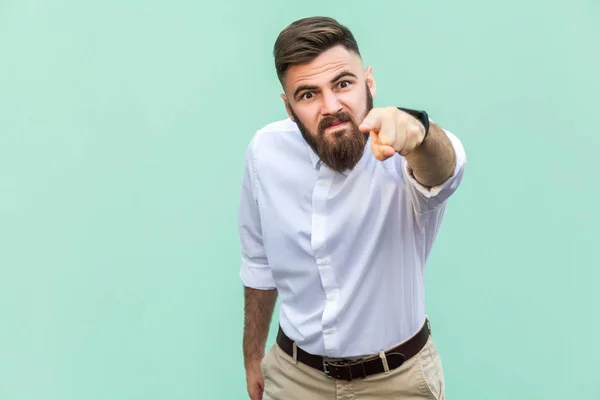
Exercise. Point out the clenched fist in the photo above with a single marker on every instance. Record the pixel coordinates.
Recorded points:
(392, 131)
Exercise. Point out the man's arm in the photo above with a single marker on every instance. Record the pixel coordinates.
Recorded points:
(434, 160)
(259, 305)
(431, 158)
(260, 291)
(432, 164)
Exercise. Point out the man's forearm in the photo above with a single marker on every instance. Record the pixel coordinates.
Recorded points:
(434, 160)
(258, 311)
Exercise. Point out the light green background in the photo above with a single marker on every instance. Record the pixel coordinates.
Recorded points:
(122, 131)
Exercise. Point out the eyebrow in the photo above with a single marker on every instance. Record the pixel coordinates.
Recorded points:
(342, 74)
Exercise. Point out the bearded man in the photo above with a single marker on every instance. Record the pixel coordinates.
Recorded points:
(340, 206)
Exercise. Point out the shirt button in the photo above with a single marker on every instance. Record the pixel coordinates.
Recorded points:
(329, 332)
(331, 298)
(322, 183)
(322, 262)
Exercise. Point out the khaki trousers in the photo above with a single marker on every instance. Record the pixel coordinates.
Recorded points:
(421, 377)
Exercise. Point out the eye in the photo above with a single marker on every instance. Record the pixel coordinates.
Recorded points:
(307, 96)
(344, 84)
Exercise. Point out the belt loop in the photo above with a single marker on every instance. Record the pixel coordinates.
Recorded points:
(295, 352)
(384, 361)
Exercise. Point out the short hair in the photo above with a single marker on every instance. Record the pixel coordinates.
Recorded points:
(305, 39)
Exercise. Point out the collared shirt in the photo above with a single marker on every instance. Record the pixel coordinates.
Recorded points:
(346, 251)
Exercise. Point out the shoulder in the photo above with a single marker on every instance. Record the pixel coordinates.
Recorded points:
(275, 137)
(275, 131)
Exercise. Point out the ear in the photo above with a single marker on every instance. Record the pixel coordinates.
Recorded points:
(287, 106)
(371, 81)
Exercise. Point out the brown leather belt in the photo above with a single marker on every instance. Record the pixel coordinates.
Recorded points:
(349, 369)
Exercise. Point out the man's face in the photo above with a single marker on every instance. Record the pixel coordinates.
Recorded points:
(328, 98)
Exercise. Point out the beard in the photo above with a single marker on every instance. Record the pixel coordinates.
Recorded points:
(340, 148)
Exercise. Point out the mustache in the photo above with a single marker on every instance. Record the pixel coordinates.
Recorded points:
(331, 120)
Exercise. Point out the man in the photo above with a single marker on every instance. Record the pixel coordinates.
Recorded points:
(339, 209)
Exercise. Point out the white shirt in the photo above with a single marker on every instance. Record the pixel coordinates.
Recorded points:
(346, 251)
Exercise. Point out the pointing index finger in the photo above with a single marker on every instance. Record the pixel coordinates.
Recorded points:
(380, 151)
(371, 123)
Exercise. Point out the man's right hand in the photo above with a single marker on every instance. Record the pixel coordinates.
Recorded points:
(255, 382)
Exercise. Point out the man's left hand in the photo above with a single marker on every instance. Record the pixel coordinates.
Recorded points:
(392, 131)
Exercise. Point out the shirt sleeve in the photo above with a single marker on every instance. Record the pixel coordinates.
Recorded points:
(424, 198)
(255, 271)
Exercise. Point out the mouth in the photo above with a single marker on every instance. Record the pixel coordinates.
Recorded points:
(336, 125)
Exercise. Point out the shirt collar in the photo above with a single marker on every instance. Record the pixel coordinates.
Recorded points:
(314, 158)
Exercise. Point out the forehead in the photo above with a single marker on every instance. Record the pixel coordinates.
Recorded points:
(320, 70)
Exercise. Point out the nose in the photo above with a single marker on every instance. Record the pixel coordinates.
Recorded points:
(331, 105)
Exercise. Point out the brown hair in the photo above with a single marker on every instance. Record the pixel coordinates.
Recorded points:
(305, 39)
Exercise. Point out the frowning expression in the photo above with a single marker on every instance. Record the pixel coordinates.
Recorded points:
(328, 98)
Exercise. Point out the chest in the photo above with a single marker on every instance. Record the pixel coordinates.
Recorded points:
(305, 210)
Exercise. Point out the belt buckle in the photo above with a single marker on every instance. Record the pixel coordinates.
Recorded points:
(338, 363)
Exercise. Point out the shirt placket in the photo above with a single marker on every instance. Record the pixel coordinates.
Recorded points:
(324, 261)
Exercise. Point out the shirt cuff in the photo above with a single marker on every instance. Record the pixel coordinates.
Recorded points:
(256, 276)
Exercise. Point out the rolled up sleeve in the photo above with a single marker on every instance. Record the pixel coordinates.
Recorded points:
(426, 198)
(255, 271)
